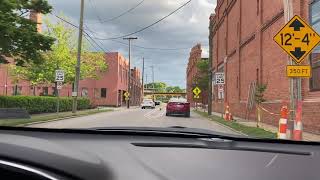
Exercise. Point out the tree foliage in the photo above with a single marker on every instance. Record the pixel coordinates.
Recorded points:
(163, 87)
(259, 94)
(19, 38)
(63, 56)
(202, 78)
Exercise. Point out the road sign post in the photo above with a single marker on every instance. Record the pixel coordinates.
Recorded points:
(219, 80)
(59, 82)
(297, 39)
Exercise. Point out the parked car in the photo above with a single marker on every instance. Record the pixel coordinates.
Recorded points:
(147, 103)
(157, 103)
(178, 106)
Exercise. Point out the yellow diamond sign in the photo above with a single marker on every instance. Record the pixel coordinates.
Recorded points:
(297, 38)
(196, 91)
(126, 94)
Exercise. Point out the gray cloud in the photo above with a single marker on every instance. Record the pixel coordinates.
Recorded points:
(181, 30)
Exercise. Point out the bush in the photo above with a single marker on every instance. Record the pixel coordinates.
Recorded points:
(42, 104)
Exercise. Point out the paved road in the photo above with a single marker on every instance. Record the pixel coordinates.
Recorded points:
(135, 117)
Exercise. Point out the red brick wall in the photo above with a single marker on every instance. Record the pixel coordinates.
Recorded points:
(195, 55)
(258, 21)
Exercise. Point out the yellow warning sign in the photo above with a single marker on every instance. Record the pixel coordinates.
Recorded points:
(299, 71)
(297, 38)
(196, 91)
(126, 95)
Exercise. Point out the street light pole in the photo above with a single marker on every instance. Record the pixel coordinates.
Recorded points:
(129, 72)
(77, 78)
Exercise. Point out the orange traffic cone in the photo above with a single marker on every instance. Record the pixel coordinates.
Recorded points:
(297, 131)
(227, 114)
(282, 134)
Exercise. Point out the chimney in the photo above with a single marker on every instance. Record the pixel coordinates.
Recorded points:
(36, 17)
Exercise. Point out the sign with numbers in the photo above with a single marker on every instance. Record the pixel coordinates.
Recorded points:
(59, 76)
(297, 38)
(219, 78)
(299, 71)
(59, 85)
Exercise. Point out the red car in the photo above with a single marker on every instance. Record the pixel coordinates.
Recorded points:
(178, 106)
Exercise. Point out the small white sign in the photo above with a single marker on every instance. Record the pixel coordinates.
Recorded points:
(74, 94)
(59, 85)
(219, 78)
(59, 76)
(220, 92)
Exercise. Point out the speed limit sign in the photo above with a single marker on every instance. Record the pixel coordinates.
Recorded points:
(59, 76)
(59, 85)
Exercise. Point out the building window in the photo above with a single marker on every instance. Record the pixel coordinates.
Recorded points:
(16, 90)
(96, 93)
(84, 92)
(103, 92)
(100, 92)
(45, 91)
(54, 93)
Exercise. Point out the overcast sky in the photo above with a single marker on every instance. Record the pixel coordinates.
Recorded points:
(182, 30)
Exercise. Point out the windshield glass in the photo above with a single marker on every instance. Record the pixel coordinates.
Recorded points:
(248, 68)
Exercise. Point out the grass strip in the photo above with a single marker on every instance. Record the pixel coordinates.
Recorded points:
(248, 130)
(50, 117)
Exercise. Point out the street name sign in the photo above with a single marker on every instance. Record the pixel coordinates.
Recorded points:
(196, 91)
(298, 71)
(219, 78)
(59, 76)
(297, 38)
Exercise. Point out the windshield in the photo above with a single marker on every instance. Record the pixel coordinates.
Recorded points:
(248, 68)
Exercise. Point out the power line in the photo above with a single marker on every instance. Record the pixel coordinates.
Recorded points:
(93, 5)
(142, 29)
(122, 14)
(87, 34)
(153, 48)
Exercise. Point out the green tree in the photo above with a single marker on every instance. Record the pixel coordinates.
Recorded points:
(174, 89)
(202, 78)
(158, 86)
(62, 56)
(19, 38)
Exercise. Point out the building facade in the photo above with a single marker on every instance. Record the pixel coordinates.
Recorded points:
(108, 90)
(243, 48)
(192, 73)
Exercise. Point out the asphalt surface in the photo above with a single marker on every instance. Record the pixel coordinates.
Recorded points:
(138, 118)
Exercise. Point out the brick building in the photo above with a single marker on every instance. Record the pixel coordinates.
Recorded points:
(192, 74)
(108, 90)
(243, 47)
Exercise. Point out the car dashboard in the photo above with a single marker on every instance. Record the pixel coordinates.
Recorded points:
(91, 155)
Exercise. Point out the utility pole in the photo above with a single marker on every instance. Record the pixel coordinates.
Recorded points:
(129, 72)
(142, 78)
(288, 14)
(152, 67)
(77, 78)
(210, 70)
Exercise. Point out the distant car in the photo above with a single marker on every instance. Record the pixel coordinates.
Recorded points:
(178, 106)
(157, 103)
(147, 103)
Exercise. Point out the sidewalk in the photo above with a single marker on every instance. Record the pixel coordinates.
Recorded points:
(306, 136)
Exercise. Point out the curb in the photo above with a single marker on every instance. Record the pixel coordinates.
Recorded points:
(58, 119)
